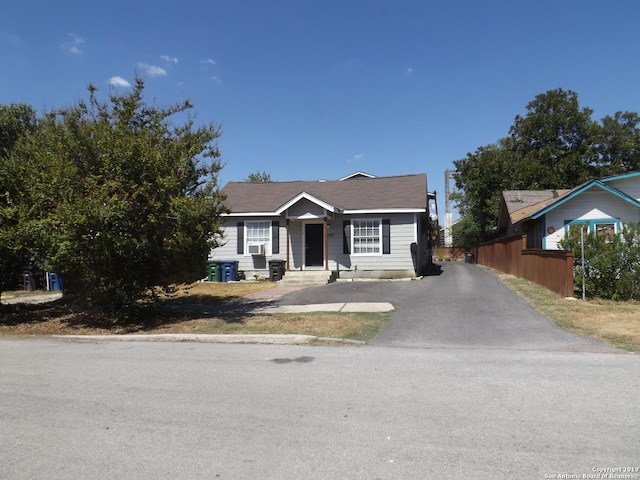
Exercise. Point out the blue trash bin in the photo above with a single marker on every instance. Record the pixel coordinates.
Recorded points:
(55, 281)
(229, 270)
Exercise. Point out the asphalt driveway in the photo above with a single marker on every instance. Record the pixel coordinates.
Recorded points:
(465, 306)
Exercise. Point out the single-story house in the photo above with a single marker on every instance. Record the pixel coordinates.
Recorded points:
(357, 226)
(602, 205)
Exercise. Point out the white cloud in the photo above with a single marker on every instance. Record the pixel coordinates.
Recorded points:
(209, 61)
(152, 70)
(74, 45)
(356, 158)
(216, 79)
(118, 81)
(169, 60)
(409, 71)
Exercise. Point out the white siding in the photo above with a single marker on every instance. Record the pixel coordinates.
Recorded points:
(593, 204)
(249, 264)
(402, 232)
(296, 236)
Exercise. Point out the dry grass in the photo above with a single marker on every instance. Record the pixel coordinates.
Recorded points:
(56, 318)
(23, 293)
(354, 326)
(214, 293)
(615, 323)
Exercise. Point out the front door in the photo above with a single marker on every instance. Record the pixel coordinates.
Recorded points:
(313, 245)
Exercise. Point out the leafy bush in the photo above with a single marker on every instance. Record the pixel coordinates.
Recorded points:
(611, 263)
(116, 198)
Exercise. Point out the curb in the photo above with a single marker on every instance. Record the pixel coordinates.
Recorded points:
(272, 339)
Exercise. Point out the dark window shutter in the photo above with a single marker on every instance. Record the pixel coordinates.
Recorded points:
(386, 236)
(346, 236)
(240, 249)
(275, 237)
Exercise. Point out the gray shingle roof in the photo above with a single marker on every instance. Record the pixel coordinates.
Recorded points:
(407, 191)
(519, 199)
(522, 203)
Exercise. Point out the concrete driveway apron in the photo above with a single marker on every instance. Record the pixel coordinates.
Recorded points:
(465, 306)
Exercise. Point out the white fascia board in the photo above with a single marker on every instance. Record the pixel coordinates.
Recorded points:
(355, 174)
(384, 210)
(251, 214)
(306, 196)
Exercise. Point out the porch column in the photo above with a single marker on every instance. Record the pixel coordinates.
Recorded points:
(325, 235)
(287, 244)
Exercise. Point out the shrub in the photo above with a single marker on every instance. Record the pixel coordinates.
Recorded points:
(611, 263)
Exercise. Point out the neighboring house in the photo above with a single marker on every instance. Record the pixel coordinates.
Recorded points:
(358, 226)
(545, 216)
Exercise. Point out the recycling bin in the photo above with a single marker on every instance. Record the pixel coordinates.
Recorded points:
(229, 270)
(54, 281)
(214, 271)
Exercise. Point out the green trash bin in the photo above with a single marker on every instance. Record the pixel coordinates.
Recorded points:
(214, 272)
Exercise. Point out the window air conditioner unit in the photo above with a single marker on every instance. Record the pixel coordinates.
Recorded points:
(256, 249)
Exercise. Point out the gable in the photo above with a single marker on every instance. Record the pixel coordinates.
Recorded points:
(592, 204)
(305, 208)
(357, 175)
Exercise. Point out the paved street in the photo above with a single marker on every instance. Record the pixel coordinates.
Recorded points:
(462, 385)
(184, 410)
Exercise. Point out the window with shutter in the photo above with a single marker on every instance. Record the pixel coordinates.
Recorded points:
(366, 236)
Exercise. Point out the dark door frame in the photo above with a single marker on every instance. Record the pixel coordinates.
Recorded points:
(314, 245)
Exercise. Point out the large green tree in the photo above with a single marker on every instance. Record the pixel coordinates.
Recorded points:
(123, 201)
(556, 144)
(618, 143)
(17, 121)
(483, 176)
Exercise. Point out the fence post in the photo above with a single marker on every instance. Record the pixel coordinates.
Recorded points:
(569, 275)
(523, 247)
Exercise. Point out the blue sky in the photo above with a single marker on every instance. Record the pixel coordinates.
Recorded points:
(318, 89)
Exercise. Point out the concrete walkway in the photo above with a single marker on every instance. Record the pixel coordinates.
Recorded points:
(330, 307)
(281, 290)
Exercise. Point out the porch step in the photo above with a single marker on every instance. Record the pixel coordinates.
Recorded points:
(296, 277)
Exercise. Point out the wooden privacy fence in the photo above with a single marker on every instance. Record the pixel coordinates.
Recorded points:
(552, 269)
